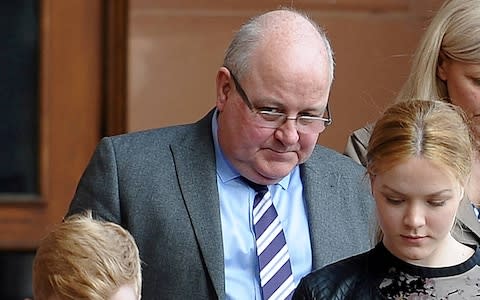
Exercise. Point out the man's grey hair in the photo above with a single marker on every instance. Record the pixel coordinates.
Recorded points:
(248, 37)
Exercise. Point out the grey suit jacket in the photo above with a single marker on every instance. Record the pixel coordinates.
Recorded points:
(161, 185)
(467, 227)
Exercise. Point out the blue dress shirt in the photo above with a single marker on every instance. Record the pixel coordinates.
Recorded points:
(242, 280)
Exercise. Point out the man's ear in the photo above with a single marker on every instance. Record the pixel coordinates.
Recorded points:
(223, 87)
(442, 66)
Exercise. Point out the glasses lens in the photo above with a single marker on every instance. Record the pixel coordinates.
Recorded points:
(275, 120)
(310, 126)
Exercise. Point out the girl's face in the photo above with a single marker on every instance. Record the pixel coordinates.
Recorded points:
(463, 84)
(416, 204)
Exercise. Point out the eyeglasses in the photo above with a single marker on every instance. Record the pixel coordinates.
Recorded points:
(270, 119)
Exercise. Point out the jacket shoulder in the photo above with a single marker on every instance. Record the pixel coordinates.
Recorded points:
(339, 280)
(323, 157)
(185, 134)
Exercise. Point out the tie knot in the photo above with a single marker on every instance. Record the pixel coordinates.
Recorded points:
(257, 187)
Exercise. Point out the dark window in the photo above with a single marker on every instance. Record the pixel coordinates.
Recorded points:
(19, 122)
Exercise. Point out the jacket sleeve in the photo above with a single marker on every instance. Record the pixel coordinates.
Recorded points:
(98, 187)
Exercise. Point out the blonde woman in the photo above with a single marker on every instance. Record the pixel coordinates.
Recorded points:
(446, 66)
(419, 161)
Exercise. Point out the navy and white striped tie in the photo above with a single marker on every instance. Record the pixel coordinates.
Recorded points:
(276, 276)
(476, 210)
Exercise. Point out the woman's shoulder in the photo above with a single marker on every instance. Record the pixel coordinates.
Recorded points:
(336, 280)
(357, 144)
(343, 268)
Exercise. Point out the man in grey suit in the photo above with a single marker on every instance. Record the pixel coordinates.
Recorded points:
(182, 191)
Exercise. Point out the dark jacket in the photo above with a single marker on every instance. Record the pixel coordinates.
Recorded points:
(377, 274)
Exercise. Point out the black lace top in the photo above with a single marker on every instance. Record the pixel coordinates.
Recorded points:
(377, 274)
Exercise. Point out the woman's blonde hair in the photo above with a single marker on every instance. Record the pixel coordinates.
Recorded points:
(84, 258)
(453, 33)
(433, 130)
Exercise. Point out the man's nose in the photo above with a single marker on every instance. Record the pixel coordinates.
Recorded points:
(288, 132)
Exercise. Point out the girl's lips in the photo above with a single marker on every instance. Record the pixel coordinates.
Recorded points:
(413, 238)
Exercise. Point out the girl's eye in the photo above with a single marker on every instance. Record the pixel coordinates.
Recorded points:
(437, 203)
(394, 200)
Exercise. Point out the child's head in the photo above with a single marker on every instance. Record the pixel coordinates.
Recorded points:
(419, 160)
(84, 258)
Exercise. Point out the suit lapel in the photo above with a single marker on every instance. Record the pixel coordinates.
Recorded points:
(466, 216)
(195, 162)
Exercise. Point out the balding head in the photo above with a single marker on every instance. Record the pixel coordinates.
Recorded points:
(277, 33)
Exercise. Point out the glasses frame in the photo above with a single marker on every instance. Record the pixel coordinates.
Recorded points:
(327, 121)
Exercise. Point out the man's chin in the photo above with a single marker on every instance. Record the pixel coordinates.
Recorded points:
(275, 173)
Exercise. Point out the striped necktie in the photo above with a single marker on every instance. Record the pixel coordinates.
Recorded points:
(476, 210)
(276, 276)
